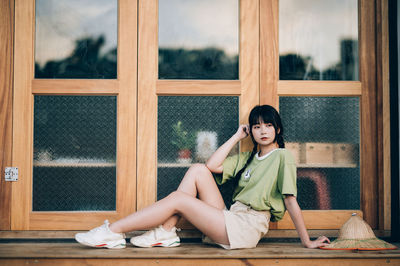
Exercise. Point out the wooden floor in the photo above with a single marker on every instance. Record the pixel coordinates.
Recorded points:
(22, 253)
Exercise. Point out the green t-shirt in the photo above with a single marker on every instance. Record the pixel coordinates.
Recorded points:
(264, 181)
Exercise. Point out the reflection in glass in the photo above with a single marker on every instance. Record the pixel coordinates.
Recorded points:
(76, 39)
(318, 40)
(198, 39)
(74, 153)
(323, 135)
(190, 129)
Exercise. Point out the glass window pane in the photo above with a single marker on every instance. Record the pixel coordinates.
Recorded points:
(318, 40)
(198, 39)
(76, 39)
(323, 134)
(74, 153)
(190, 129)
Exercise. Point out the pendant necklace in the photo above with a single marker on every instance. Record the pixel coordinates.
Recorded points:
(247, 174)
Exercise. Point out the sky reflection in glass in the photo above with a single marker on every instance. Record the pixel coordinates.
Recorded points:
(76, 39)
(198, 39)
(318, 40)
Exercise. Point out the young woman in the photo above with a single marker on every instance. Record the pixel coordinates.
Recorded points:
(265, 186)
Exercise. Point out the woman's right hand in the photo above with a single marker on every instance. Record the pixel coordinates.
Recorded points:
(242, 132)
(215, 162)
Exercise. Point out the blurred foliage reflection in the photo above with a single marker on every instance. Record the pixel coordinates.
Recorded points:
(76, 39)
(301, 67)
(85, 61)
(318, 40)
(209, 63)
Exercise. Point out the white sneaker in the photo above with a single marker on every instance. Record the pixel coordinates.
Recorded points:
(102, 237)
(157, 237)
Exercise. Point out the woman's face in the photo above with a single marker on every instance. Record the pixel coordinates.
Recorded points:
(263, 133)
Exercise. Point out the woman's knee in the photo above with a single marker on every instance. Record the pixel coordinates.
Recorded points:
(200, 167)
(196, 177)
(177, 198)
(177, 195)
(200, 170)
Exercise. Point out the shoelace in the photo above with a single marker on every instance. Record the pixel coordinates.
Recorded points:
(153, 232)
(156, 230)
(161, 229)
(97, 229)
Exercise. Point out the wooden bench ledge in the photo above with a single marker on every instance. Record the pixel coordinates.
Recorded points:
(186, 250)
(188, 254)
(191, 234)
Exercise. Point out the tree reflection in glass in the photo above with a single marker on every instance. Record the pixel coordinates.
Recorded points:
(76, 39)
(318, 40)
(198, 39)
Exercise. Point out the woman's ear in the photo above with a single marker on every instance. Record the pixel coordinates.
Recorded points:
(278, 131)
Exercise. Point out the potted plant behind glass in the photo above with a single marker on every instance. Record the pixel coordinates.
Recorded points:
(184, 141)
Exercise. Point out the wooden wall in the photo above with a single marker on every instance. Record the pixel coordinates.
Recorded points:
(377, 101)
(6, 84)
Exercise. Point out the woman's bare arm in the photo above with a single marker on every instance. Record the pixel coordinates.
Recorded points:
(214, 163)
(295, 213)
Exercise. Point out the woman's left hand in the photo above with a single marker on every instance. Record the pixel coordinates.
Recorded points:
(319, 242)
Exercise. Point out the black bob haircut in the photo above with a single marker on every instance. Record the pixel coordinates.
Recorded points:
(267, 114)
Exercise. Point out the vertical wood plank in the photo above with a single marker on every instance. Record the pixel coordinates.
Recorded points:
(383, 88)
(269, 57)
(369, 146)
(127, 76)
(22, 116)
(269, 52)
(6, 86)
(379, 115)
(249, 61)
(386, 117)
(147, 103)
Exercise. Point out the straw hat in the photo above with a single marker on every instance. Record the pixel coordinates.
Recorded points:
(357, 234)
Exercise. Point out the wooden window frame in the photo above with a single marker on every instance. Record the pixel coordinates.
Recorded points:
(373, 186)
(373, 22)
(6, 106)
(26, 87)
(150, 87)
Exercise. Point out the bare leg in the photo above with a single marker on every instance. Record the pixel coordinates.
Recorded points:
(198, 181)
(206, 218)
(202, 213)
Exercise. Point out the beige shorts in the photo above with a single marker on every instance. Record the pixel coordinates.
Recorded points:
(245, 226)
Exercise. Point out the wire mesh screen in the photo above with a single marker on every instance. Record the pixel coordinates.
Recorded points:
(74, 153)
(323, 135)
(190, 129)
